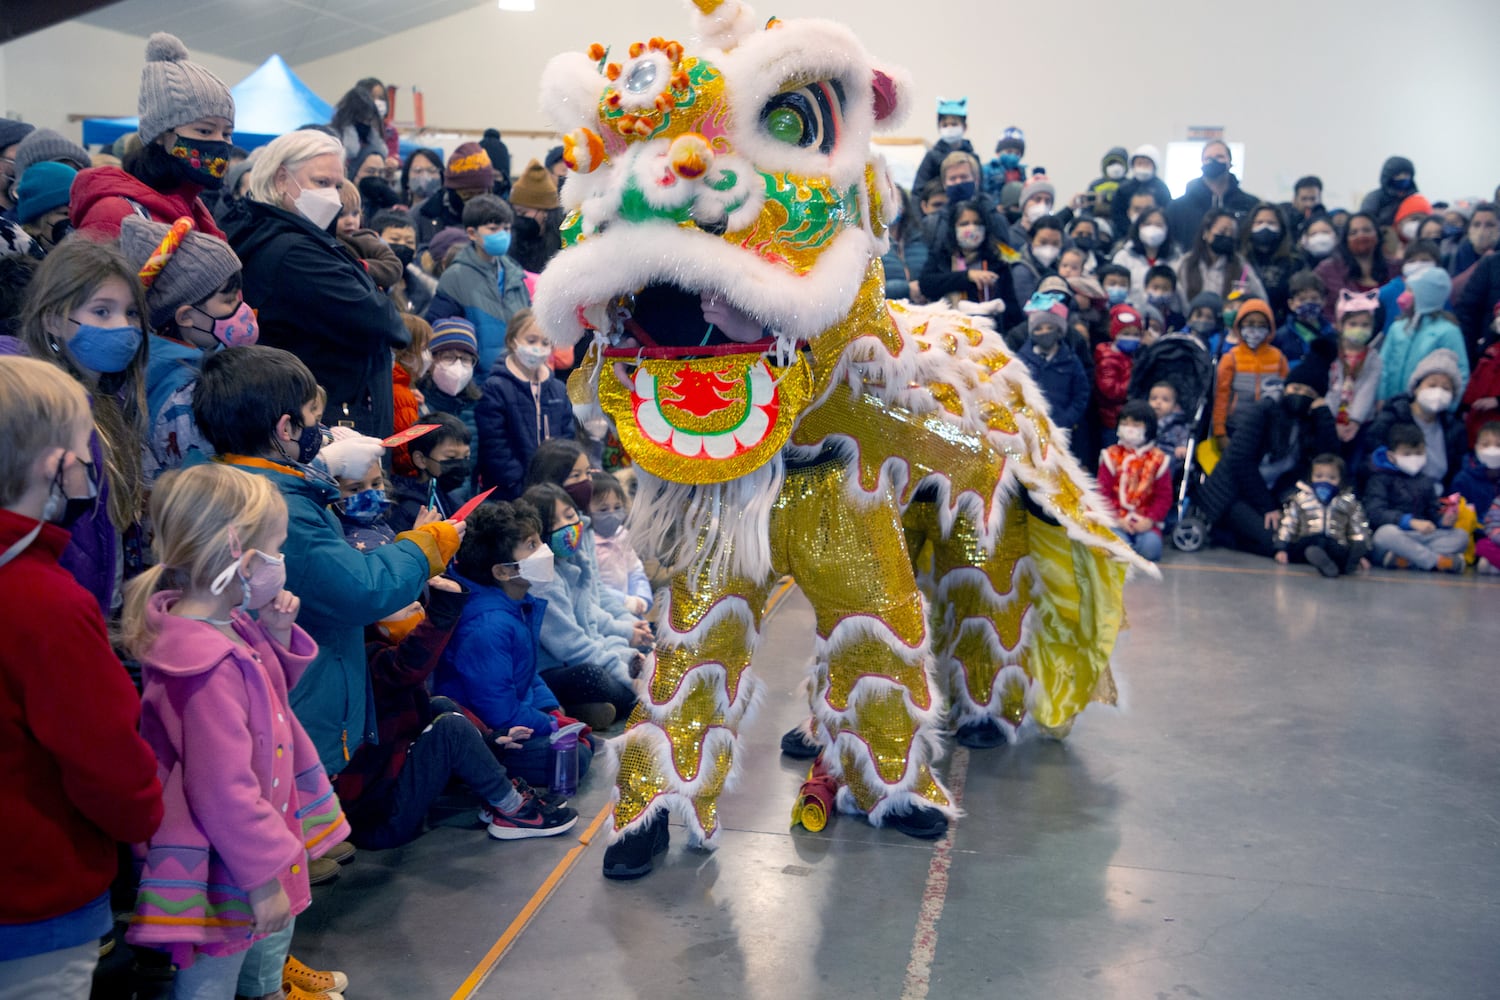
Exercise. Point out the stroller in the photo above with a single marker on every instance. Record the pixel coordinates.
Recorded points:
(1182, 360)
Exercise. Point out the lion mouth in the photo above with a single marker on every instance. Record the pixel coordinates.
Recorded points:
(667, 317)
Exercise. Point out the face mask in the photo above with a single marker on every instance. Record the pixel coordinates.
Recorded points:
(1358, 334)
(424, 185)
(1143, 174)
(1203, 326)
(1309, 312)
(1410, 464)
(308, 443)
(453, 473)
(566, 539)
(1412, 268)
(56, 498)
(959, 191)
(365, 507)
(105, 350)
(1254, 336)
(1222, 245)
(580, 492)
(1214, 169)
(404, 254)
(1114, 171)
(1362, 244)
(1325, 492)
(1131, 436)
(1265, 240)
(1488, 457)
(199, 162)
(1408, 230)
(1452, 232)
(538, 567)
(596, 427)
(1434, 399)
(239, 329)
(380, 106)
(1402, 184)
(320, 206)
(497, 244)
(1085, 243)
(1161, 302)
(1153, 236)
(606, 523)
(453, 376)
(1045, 255)
(1009, 160)
(1046, 341)
(1320, 244)
(1116, 294)
(261, 586)
(532, 355)
(951, 133)
(1036, 210)
(969, 237)
(1296, 404)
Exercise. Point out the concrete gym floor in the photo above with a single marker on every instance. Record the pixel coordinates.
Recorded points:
(1299, 801)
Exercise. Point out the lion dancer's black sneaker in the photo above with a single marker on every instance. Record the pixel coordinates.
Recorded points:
(631, 856)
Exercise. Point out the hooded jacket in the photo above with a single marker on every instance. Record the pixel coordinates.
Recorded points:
(513, 421)
(1061, 379)
(1397, 410)
(102, 196)
(1410, 340)
(1383, 202)
(171, 432)
(1102, 187)
(1185, 214)
(79, 777)
(490, 665)
(1241, 372)
(1478, 483)
(1394, 497)
(1129, 187)
(315, 300)
(579, 629)
(1262, 429)
(246, 800)
(442, 209)
(487, 293)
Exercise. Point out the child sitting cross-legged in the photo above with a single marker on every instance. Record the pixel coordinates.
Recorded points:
(1411, 529)
(1136, 477)
(1323, 523)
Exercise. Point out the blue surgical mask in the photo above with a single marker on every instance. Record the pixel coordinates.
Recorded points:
(1116, 294)
(1127, 345)
(1325, 492)
(497, 244)
(366, 506)
(1010, 161)
(102, 349)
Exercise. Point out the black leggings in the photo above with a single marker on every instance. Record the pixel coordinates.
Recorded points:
(588, 684)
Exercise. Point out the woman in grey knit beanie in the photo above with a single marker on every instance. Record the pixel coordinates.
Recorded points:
(186, 123)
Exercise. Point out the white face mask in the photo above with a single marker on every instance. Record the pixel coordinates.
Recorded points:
(380, 106)
(1131, 436)
(1412, 268)
(532, 355)
(1320, 244)
(1045, 255)
(1143, 174)
(1410, 464)
(1488, 457)
(1036, 210)
(1114, 171)
(951, 133)
(1153, 236)
(969, 237)
(453, 375)
(1409, 230)
(320, 206)
(1434, 399)
(538, 568)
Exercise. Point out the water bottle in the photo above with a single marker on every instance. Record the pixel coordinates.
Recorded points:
(564, 744)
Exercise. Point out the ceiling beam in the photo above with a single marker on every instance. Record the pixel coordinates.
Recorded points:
(22, 17)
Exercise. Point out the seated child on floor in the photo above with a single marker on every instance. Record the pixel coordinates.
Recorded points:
(443, 462)
(620, 569)
(1135, 477)
(1323, 524)
(1411, 529)
(1479, 479)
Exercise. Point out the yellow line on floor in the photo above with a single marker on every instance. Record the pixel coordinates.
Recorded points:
(554, 878)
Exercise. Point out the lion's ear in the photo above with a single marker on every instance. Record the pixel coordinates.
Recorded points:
(892, 89)
(571, 85)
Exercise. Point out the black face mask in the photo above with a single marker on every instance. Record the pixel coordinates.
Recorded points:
(404, 254)
(525, 229)
(453, 473)
(1046, 341)
(60, 230)
(1265, 240)
(1222, 245)
(1214, 169)
(1085, 243)
(200, 162)
(1296, 405)
(309, 441)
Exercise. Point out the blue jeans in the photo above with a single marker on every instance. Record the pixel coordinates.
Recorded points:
(1147, 544)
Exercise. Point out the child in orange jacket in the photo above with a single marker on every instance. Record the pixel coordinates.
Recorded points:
(1246, 366)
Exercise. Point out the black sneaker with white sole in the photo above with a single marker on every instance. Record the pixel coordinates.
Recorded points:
(531, 820)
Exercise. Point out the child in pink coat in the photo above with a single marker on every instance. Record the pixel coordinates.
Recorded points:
(247, 801)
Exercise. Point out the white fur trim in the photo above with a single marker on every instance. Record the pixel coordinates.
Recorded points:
(570, 89)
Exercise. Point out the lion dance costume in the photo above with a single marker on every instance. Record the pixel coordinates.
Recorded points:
(846, 441)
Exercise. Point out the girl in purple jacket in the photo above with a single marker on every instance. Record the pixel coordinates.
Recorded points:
(247, 802)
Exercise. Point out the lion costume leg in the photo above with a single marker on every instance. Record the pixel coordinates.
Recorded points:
(873, 696)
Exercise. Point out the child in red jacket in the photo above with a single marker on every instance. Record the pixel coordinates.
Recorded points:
(1136, 477)
(1112, 366)
(78, 775)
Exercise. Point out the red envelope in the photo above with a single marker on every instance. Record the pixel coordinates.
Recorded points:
(410, 434)
(474, 502)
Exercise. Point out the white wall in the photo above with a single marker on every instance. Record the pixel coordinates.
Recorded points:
(76, 68)
(1326, 87)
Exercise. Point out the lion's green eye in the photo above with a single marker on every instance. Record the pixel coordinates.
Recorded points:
(786, 125)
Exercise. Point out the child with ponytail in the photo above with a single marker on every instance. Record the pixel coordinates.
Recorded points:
(247, 801)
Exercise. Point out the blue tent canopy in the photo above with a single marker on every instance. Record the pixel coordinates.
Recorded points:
(267, 103)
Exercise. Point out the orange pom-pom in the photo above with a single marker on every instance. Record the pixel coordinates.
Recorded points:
(613, 71)
(597, 52)
(674, 51)
(636, 48)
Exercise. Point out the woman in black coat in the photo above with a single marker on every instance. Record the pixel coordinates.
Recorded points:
(313, 296)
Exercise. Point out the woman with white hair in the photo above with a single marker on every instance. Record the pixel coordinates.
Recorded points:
(313, 296)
